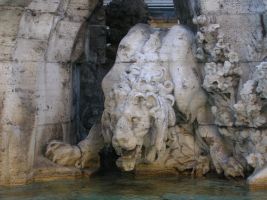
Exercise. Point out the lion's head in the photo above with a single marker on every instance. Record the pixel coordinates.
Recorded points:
(138, 113)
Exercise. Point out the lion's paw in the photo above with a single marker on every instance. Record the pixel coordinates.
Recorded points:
(63, 154)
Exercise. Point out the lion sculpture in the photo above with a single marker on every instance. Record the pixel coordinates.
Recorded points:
(156, 112)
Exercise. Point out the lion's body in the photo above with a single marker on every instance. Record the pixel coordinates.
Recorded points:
(175, 55)
(154, 70)
(143, 54)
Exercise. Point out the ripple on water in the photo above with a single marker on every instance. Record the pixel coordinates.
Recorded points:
(112, 187)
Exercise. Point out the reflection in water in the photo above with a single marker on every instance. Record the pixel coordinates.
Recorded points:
(111, 187)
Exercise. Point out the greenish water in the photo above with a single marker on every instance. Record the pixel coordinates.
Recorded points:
(130, 188)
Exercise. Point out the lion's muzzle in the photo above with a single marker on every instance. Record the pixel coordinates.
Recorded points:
(123, 136)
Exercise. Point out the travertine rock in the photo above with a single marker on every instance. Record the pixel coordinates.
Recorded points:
(236, 90)
(167, 106)
(37, 41)
(154, 70)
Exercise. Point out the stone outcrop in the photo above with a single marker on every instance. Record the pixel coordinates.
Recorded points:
(223, 125)
(235, 83)
(155, 70)
(39, 40)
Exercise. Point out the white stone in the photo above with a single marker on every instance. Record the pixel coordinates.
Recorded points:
(44, 5)
(153, 72)
(30, 50)
(62, 40)
(36, 25)
(232, 6)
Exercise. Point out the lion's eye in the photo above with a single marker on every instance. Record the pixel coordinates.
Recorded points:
(135, 119)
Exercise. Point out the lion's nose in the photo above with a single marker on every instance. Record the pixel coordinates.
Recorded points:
(124, 142)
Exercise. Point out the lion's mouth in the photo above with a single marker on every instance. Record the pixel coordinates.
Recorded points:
(127, 159)
(129, 154)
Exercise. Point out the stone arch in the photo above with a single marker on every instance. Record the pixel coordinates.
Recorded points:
(39, 42)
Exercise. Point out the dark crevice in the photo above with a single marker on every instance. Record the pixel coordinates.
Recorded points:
(108, 159)
(186, 10)
(264, 31)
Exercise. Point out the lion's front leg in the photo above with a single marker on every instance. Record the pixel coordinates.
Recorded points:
(82, 155)
(222, 159)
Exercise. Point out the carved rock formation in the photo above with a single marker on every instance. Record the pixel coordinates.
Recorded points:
(154, 70)
(165, 109)
(38, 41)
(236, 90)
(167, 106)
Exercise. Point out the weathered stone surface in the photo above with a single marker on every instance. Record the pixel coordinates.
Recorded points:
(36, 91)
(10, 19)
(36, 25)
(232, 6)
(139, 119)
(243, 26)
(15, 3)
(154, 70)
(246, 40)
(44, 6)
(242, 22)
(63, 36)
(35, 50)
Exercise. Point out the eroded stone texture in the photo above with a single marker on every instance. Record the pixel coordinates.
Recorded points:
(37, 40)
(156, 112)
(155, 69)
(249, 110)
(236, 84)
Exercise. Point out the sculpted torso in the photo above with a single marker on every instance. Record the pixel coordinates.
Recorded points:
(155, 111)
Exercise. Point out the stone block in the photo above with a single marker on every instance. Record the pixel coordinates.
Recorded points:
(5, 75)
(78, 10)
(245, 34)
(53, 108)
(26, 74)
(36, 25)
(59, 49)
(247, 68)
(62, 41)
(67, 29)
(19, 3)
(232, 6)
(54, 94)
(6, 52)
(8, 41)
(265, 2)
(79, 46)
(7, 45)
(30, 50)
(50, 6)
(9, 20)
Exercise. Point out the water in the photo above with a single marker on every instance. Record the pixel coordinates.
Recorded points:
(134, 188)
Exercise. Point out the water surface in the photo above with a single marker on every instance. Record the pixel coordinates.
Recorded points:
(112, 187)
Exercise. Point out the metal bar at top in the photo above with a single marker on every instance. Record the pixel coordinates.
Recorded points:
(153, 3)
